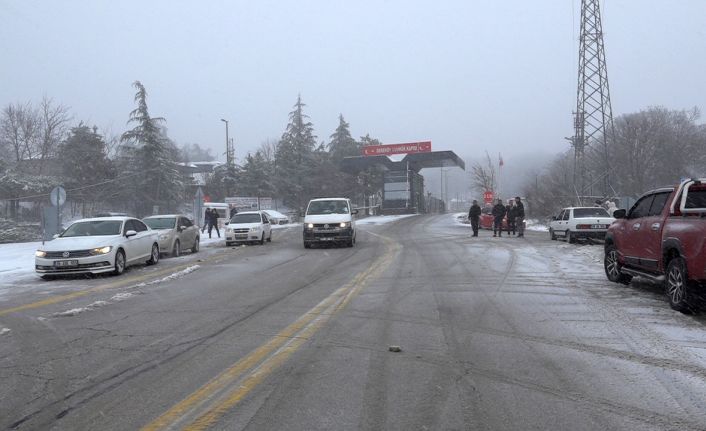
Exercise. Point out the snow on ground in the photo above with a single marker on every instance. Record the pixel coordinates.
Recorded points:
(4, 331)
(536, 226)
(375, 220)
(17, 261)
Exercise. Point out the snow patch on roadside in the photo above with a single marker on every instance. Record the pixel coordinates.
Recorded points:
(461, 218)
(375, 220)
(4, 331)
(175, 275)
(121, 296)
(536, 226)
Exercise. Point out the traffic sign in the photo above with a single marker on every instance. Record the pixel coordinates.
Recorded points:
(488, 197)
(386, 150)
(58, 196)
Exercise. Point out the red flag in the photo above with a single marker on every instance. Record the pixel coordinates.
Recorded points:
(501, 160)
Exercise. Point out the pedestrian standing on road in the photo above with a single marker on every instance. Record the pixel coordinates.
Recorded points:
(511, 215)
(206, 218)
(213, 222)
(498, 216)
(520, 217)
(474, 216)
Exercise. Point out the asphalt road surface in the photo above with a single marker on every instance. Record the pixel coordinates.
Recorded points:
(494, 333)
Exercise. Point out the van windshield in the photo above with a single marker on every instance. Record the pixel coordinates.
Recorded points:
(327, 207)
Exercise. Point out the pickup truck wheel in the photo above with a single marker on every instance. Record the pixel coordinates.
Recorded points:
(612, 266)
(677, 283)
(552, 235)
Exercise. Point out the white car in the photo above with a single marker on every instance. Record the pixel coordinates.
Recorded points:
(276, 217)
(248, 226)
(580, 222)
(95, 245)
(176, 233)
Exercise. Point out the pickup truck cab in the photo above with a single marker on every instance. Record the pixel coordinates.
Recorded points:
(662, 238)
(329, 220)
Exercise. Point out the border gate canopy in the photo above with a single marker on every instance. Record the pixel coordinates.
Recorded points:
(416, 161)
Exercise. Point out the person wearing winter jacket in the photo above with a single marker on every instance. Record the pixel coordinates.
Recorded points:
(520, 217)
(498, 215)
(511, 215)
(213, 222)
(474, 216)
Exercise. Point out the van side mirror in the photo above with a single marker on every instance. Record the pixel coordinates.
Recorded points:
(355, 211)
(130, 233)
(622, 213)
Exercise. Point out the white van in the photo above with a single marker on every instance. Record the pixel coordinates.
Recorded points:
(329, 220)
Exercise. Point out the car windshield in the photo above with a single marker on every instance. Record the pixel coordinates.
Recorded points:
(590, 212)
(160, 222)
(93, 228)
(245, 218)
(327, 207)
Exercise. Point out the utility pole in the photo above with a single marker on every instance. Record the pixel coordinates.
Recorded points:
(593, 118)
(229, 151)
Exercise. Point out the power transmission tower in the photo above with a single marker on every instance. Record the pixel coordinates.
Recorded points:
(593, 118)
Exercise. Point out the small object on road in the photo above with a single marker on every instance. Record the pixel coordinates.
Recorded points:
(395, 349)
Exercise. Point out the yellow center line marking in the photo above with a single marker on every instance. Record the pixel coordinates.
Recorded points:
(114, 285)
(214, 399)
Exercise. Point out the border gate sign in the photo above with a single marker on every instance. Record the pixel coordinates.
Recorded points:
(386, 150)
(488, 197)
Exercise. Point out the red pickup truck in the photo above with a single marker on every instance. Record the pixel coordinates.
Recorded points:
(662, 238)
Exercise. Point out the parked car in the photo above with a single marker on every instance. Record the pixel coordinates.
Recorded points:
(276, 217)
(329, 220)
(662, 238)
(248, 226)
(580, 222)
(176, 233)
(95, 245)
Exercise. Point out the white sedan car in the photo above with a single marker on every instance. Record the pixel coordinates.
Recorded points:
(276, 217)
(95, 245)
(580, 222)
(176, 233)
(250, 226)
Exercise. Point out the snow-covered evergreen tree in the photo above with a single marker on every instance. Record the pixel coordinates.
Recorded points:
(294, 159)
(152, 160)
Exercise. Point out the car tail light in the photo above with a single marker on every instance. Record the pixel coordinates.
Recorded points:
(583, 226)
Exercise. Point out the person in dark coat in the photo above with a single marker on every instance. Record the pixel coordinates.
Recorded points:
(474, 217)
(213, 222)
(233, 211)
(206, 217)
(520, 217)
(511, 211)
(498, 215)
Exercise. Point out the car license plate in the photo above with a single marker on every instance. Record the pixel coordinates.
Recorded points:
(65, 263)
(326, 238)
(597, 226)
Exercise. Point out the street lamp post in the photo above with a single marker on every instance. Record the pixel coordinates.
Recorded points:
(228, 160)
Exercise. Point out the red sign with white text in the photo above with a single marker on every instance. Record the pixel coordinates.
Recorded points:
(386, 150)
(488, 197)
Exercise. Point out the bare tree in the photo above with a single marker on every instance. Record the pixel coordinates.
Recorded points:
(483, 176)
(19, 131)
(268, 148)
(54, 119)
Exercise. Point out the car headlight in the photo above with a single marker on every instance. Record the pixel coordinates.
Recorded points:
(101, 250)
(255, 229)
(310, 226)
(345, 224)
(40, 253)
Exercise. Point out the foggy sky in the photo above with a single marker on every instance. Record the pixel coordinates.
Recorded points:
(469, 75)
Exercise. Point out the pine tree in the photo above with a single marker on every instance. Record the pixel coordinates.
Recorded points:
(342, 143)
(158, 181)
(85, 162)
(294, 159)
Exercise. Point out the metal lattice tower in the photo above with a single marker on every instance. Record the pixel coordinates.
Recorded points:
(593, 118)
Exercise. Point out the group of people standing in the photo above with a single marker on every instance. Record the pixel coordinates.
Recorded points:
(514, 211)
